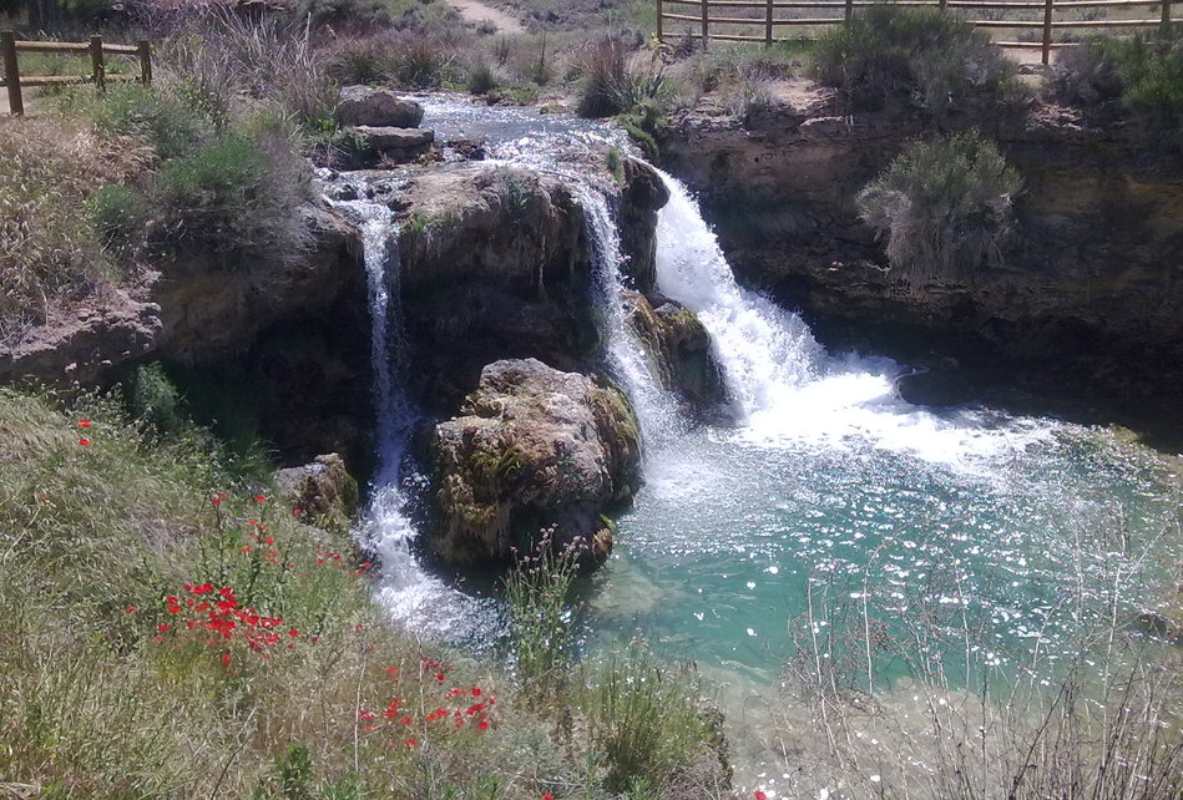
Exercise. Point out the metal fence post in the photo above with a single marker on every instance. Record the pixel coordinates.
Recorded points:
(706, 25)
(768, 25)
(1166, 18)
(12, 73)
(849, 11)
(660, 37)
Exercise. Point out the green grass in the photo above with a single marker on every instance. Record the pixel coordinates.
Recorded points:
(103, 543)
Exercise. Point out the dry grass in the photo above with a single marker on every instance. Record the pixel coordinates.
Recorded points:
(49, 166)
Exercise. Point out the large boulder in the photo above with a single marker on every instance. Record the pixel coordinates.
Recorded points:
(679, 348)
(323, 491)
(366, 146)
(535, 452)
(366, 105)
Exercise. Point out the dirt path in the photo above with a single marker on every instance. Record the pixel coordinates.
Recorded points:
(476, 12)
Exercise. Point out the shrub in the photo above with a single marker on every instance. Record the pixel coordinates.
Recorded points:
(1087, 75)
(155, 400)
(238, 195)
(944, 205)
(933, 58)
(49, 247)
(647, 721)
(481, 79)
(352, 14)
(118, 214)
(613, 86)
(160, 118)
(1147, 76)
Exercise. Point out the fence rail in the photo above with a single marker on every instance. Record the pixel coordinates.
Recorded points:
(10, 46)
(700, 24)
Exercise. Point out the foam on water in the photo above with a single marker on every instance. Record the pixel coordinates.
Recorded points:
(785, 386)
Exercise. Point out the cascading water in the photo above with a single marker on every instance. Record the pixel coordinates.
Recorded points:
(405, 588)
(656, 410)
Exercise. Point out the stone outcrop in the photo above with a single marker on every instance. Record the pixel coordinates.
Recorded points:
(533, 449)
(1090, 297)
(679, 349)
(323, 491)
(366, 105)
(642, 196)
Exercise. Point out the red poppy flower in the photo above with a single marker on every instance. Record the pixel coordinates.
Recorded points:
(365, 715)
(411, 743)
(84, 442)
(84, 423)
(547, 796)
(297, 512)
(163, 627)
(392, 672)
(260, 499)
(216, 500)
(476, 691)
(226, 660)
(292, 632)
(440, 677)
(759, 795)
(131, 609)
(483, 725)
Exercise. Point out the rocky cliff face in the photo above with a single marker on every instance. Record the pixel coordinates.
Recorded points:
(1091, 293)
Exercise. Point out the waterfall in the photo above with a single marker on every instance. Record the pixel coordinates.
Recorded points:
(626, 358)
(787, 389)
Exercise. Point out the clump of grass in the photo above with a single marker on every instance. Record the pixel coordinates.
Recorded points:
(648, 722)
(481, 78)
(934, 60)
(160, 118)
(540, 618)
(118, 214)
(944, 206)
(1146, 76)
(50, 248)
(611, 85)
(237, 196)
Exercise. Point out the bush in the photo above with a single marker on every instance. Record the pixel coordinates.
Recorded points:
(934, 59)
(172, 127)
(238, 195)
(647, 721)
(944, 206)
(118, 214)
(613, 86)
(155, 400)
(481, 79)
(49, 247)
(1147, 76)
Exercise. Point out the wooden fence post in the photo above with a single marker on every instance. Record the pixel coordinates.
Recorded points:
(943, 4)
(660, 38)
(96, 62)
(1166, 18)
(1047, 30)
(12, 73)
(768, 25)
(706, 25)
(146, 57)
(849, 11)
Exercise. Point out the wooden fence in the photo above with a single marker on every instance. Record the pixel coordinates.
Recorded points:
(10, 46)
(746, 14)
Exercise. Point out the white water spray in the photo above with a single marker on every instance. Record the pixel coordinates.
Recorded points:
(786, 388)
(656, 409)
